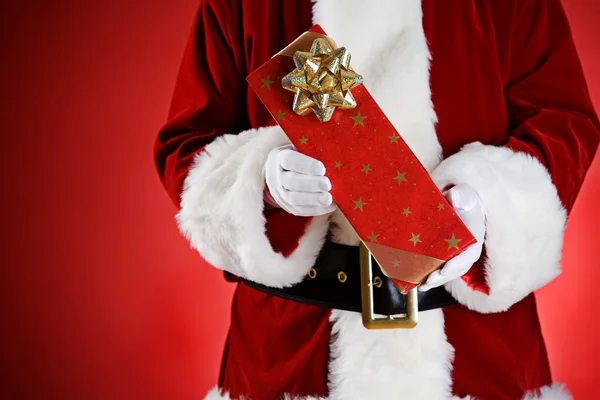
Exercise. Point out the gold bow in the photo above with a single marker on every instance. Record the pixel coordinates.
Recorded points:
(322, 80)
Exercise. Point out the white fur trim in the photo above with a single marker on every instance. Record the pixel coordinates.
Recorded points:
(375, 364)
(395, 46)
(394, 59)
(525, 221)
(555, 391)
(222, 211)
(386, 364)
(216, 394)
(288, 397)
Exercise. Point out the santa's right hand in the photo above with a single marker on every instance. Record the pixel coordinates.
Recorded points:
(297, 183)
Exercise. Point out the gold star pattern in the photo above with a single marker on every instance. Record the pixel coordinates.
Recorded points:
(452, 242)
(303, 140)
(393, 138)
(373, 237)
(266, 83)
(359, 204)
(401, 177)
(415, 239)
(440, 206)
(280, 115)
(406, 211)
(338, 164)
(366, 169)
(359, 119)
(396, 263)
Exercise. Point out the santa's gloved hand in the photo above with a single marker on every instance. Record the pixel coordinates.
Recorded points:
(467, 205)
(297, 183)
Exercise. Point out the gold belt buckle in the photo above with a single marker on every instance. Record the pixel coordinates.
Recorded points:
(409, 320)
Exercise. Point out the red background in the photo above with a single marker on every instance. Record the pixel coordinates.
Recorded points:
(100, 297)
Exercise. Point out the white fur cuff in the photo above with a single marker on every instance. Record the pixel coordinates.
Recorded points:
(525, 221)
(555, 391)
(222, 211)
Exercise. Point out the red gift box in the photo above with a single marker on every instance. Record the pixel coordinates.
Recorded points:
(378, 183)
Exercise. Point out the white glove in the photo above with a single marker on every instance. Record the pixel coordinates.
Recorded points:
(298, 183)
(468, 206)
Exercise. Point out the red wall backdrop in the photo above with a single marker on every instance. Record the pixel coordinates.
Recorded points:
(101, 298)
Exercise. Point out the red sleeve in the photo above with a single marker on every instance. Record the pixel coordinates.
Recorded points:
(212, 164)
(528, 183)
(209, 97)
(549, 107)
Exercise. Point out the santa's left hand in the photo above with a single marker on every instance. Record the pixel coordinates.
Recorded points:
(465, 201)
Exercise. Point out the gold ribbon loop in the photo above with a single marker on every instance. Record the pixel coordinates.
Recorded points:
(322, 80)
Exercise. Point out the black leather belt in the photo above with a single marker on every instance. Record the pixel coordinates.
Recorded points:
(334, 282)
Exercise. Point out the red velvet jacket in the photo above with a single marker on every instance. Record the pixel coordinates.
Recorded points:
(487, 93)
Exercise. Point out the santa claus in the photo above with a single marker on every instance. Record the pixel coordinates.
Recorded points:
(491, 98)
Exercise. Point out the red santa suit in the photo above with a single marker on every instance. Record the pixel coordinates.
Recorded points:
(486, 93)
